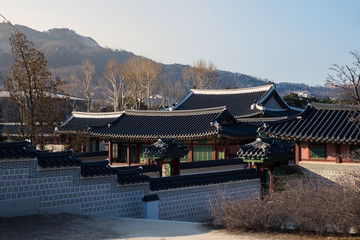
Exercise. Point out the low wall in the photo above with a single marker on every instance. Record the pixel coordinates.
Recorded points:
(334, 172)
(26, 189)
(193, 203)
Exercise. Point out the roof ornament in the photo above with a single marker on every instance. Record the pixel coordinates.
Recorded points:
(253, 106)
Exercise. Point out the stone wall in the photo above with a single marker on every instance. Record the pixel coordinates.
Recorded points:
(194, 203)
(27, 189)
(341, 173)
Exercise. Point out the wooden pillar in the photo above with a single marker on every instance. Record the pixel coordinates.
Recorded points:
(128, 154)
(159, 163)
(191, 152)
(271, 181)
(110, 153)
(338, 153)
(175, 167)
(137, 159)
(297, 152)
(260, 170)
(214, 155)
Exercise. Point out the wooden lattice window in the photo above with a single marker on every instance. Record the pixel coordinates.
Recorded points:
(202, 152)
(317, 151)
(186, 157)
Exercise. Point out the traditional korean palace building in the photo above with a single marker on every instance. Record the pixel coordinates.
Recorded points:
(254, 102)
(211, 133)
(211, 123)
(322, 132)
(73, 131)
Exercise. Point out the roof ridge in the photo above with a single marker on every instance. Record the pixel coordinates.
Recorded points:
(177, 112)
(232, 91)
(97, 114)
(334, 106)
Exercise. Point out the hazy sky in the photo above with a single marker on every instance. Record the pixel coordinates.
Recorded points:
(280, 40)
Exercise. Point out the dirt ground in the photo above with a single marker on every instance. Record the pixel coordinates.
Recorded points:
(70, 226)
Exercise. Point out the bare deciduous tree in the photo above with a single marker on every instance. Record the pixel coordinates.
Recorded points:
(347, 79)
(33, 91)
(116, 81)
(150, 72)
(143, 75)
(200, 75)
(112, 82)
(86, 85)
(171, 91)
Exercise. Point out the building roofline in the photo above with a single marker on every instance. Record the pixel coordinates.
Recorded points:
(334, 106)
(232, 91)
(181, 102)
(96, 114)
(176, 113)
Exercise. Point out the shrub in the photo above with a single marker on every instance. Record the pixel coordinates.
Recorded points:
(311, 206)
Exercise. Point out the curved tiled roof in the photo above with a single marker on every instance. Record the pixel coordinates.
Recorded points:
(267, 150)
(80, 121)
(242, 102)
(173, 124)
(165, 149)
(165, 183)
(131, 176)
(57, 159)
(99, 168)
(319, 123)
(146, 168)
(21, 149)
(210, 163)
(238, 101)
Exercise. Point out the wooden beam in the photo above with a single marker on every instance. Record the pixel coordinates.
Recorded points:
(191, 152)
(128, 153)
(338, 153)
(110, 153)
(297, 153)
(137, 159)
(214, 155)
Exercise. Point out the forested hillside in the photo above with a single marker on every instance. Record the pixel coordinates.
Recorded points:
(65, 51)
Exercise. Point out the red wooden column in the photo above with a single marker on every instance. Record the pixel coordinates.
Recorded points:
(271, 183)
(338, 153)
(175, 167)
(191, 152)
(297, 152)
(110, 153)
(128, 154)
(137, 159)
(214, 155)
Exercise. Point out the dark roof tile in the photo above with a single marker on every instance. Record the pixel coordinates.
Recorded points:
(21, 149)
(57, 159)
(165, 149)
(80, 121)
(319, 122)
(174, 124)
(99, 168)
(210, 163)
(165, 183)
(131, 176)
(267, 150)
(240, 102)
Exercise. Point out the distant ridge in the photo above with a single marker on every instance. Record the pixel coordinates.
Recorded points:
(65, 51)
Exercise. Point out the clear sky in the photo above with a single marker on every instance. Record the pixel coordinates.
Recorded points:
(279, 40)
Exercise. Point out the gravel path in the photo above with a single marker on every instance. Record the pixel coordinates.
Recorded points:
(70, 226)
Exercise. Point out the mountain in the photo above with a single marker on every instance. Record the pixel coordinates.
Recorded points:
(65, 51)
